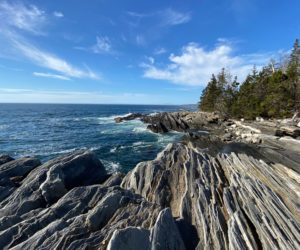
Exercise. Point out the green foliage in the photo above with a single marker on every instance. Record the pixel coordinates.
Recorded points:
(272, 92)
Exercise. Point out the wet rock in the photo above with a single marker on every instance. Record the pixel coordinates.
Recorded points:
(128, 117)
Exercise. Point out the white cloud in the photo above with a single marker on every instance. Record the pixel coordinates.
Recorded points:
(49, 75)
(58, 14)
(62, 96)
(196, 64)
(17, 20)
(52, 62)
(171, 17)
(17, 15)
(103, 45)
(160, 51)
(166, 17)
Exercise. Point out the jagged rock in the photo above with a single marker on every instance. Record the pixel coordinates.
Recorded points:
(158, 128)
(85, 216)
(128, 117)
(49, 211)
(163, 122)
(233, 201)
(4, 158)
(180, 121)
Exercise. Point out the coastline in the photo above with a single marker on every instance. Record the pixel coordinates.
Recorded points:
(235, 187)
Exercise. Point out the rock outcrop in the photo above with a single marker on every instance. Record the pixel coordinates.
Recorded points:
(128, 117)
(234, 186)
(231, 201)
(71, 203)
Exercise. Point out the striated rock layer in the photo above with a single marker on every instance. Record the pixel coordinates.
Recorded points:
(232, 201)
(183, 199)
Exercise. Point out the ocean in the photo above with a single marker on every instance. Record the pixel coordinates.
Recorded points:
(46, 131)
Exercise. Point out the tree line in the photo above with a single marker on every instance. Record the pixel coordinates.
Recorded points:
(272, 92)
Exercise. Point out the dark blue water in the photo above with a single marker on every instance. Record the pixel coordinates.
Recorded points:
(50, 130)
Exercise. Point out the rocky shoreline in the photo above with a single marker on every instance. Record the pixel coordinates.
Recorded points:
(235, 186)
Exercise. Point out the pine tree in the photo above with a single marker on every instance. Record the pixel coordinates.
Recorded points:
(209, 95)
(294, 74)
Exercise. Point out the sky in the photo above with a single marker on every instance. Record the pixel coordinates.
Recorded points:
(135, 52)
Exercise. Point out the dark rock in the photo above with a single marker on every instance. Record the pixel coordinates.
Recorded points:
(128, 117)
(158, 128)
(4, 158)
(181, 121)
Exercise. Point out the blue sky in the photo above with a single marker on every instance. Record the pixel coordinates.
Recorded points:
(139, 52)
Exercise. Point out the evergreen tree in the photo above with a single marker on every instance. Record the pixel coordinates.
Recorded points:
(209, 95)
(272, 92)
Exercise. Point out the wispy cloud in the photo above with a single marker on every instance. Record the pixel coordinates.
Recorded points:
(171, 17)
(196, 64)
(103, 45)
(166, 17)
(49, 75)
(17, 21)
(58, 14)
(19, 16)
(47, 60)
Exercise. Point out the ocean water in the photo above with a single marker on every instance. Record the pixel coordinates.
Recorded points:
(50, 130)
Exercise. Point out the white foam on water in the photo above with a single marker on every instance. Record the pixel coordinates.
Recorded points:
(139, 143)
(113, 150)
(111, 167)
(140, 130)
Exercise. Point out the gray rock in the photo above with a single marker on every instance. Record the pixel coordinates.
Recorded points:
(13, 172)
(49, 211)
(164, 235)
(233, 201)
(47, 183)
